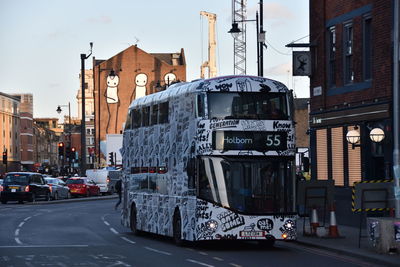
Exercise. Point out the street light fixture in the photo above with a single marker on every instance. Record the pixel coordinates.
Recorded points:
(377, 135)
(69, 122)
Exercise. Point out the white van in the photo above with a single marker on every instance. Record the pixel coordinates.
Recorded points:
(105, 178)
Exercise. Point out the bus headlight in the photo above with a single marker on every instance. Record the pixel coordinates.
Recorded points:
(212, 225)
(289, 225)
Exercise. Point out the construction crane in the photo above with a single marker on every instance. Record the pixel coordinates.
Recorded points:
(238, 32)
(212, 44)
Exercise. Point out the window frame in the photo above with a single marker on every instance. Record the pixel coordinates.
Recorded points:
(348, 48)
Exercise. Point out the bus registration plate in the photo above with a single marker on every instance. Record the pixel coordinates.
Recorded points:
(252, 233)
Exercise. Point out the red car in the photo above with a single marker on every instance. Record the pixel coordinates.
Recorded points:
(80, 186)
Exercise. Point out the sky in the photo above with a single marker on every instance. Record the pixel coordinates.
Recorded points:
(41, 41)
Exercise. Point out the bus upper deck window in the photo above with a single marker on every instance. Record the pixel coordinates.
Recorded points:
(200, 105)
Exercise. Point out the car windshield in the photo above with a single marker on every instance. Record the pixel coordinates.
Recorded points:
(75, 181)
(251, 186)
(256, 106)
(16, 179)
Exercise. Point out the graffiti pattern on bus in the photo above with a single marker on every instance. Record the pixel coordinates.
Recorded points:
(156, 172)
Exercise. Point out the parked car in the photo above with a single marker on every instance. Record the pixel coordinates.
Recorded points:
(58, 188)
(1, 185)
(80, 186)
(24, 186)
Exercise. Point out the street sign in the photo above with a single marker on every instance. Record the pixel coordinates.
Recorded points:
(301, 63)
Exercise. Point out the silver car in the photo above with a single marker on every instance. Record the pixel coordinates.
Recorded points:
(58, 188)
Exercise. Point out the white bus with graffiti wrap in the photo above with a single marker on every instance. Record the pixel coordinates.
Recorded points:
(211, 160)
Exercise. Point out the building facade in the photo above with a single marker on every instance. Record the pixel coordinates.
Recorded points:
(124, 77)
(10, 132)
(350, 89)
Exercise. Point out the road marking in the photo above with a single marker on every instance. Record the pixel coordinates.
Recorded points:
(199, 262)
(27, 218)
(114, 231)
(106, 223)
(235, 265)
(45, 246)
(218, 259)
(128, 240)
(17, 232)
(158, 251)
(20, 225)
(203, 253)
(18, 241)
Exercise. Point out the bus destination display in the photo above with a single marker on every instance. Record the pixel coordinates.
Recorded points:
(260, 141)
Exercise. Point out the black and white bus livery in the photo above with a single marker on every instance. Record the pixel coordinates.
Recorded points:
(210, 160)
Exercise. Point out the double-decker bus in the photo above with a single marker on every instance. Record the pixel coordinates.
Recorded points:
(211, 159)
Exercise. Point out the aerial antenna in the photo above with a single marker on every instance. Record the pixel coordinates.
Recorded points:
(136, 41)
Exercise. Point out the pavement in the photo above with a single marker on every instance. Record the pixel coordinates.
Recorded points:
(346, 244)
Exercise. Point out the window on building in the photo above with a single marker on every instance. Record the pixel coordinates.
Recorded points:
(367, 42)
(331, 56)
(348, 53)
(322, 154)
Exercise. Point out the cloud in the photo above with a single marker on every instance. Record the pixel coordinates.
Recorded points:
(274, 12)
(100, 20)
(282, 69)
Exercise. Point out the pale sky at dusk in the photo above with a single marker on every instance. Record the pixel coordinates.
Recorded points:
(41, 41)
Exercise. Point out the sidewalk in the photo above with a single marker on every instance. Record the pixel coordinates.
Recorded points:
(347, 244)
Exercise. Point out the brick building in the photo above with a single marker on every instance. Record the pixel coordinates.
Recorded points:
(124, 77)
(350, 89)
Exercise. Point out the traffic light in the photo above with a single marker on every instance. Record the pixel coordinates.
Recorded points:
(111, 158)
(73, 153)
(5, 157)
(61, 149)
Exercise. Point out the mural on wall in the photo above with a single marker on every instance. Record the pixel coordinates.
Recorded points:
(171, 146)
(140, 89)
(169, 78)
(113, 103)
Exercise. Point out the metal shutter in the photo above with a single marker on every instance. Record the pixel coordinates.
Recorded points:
(354, 156)
(337, 156)
(322, 155)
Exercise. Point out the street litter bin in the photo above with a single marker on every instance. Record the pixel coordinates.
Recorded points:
(384, 234)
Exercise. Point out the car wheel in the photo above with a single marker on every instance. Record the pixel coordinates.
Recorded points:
(20, 202)
(4, 201)
(48, 196)
(87, 193)
(56, 196)
(33, 198)
(133, 220)
(177, 228)
(69, 195)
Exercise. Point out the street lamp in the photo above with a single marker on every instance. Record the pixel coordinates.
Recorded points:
(377, 135)
(83, 125)
(353, 137)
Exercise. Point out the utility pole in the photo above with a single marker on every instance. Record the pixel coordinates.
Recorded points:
(261, 39)
(83, 122)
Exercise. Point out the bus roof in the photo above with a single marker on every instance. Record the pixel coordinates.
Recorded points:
(232, 83)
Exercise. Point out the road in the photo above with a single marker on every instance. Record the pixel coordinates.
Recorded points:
(90, 234)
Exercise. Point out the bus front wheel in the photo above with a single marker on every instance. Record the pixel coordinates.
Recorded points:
(133, 221)
(177, 228)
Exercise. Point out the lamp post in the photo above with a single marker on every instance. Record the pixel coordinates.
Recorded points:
(83, 123)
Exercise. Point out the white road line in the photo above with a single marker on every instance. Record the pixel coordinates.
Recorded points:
(203, 253)
(27, 218)
(158, 251)
(18, 241)
(106, 223)
(17, 232)
(114, 231)
(235, 265)
(199, 262)
(20, 225)
(218, 259)
(128, 240)
(45, 246)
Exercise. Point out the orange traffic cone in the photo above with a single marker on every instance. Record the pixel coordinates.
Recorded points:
(314, 221)
(333, 228)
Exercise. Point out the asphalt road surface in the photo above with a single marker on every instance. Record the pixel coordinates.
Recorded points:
(90, 234)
